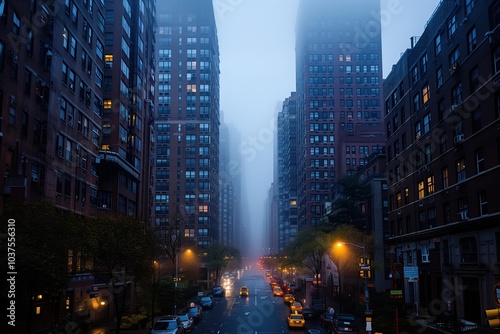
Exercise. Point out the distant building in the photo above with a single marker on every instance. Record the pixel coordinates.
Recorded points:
(339, 94)
(442, 118)
(229, 188)
(187, 120)
(287, 197)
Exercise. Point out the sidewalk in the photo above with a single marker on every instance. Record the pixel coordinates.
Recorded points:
(110, 328)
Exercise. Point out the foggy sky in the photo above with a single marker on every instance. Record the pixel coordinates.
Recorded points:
(257, 54)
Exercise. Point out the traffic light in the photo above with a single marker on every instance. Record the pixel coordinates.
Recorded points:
(493, 317)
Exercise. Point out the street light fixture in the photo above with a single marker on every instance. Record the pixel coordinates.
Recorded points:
(364, 265)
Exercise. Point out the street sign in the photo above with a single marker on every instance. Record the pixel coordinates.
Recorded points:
(411, 273)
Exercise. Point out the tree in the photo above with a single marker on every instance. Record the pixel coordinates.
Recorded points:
(41, 237)
(170, 238)
(119, 247)
(307, 250)
(345, 207)
(218, 256)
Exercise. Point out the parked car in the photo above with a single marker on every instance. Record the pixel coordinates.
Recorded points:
(343, 323)
(310, 313)
(206, 302)
(195, 312)
(170, 324)
(187, 321)
(218, 291)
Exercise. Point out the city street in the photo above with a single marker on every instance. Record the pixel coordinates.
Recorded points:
(260, 312)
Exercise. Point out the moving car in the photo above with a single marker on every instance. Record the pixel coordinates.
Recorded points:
(244, 291)
(296, 320)
(288, 298)
(206, 302)
(296, 307)
(169, 324)
(218, 291)
(187, 321)
(277, 291)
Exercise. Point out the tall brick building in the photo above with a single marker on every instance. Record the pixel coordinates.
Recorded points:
(442, 111)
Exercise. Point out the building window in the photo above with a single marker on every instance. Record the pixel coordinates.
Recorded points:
(426, 93)
(430, 184)
(416, 102)
(483, 203)
(407, 195)
(437, 45)
(454, 58)
(424, 250)
(471, 40)
(469, 5)
(439, 76)
(421, 190)
(457, 94)
(445, 177)
(418, 131)
(427, 122)
(428, 154)
(452, 26)
(461, 176)
(479, 161)
(468, 250)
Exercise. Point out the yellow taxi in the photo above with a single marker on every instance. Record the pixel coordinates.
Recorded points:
(296, 320)
(296, 307)
(243, 291)
(277, 291)
(289, 298)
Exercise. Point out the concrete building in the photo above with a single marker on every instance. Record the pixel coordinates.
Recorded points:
(187, 120)
(339, 94)
(442, 111)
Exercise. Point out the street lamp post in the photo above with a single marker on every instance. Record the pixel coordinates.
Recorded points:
(176, 280)
(367, 295)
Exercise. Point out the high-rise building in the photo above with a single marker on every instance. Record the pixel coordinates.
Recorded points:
(76, 78)
(187, 120)
(287, 172)
(128, 88)
(442, 116)
(339, 94)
